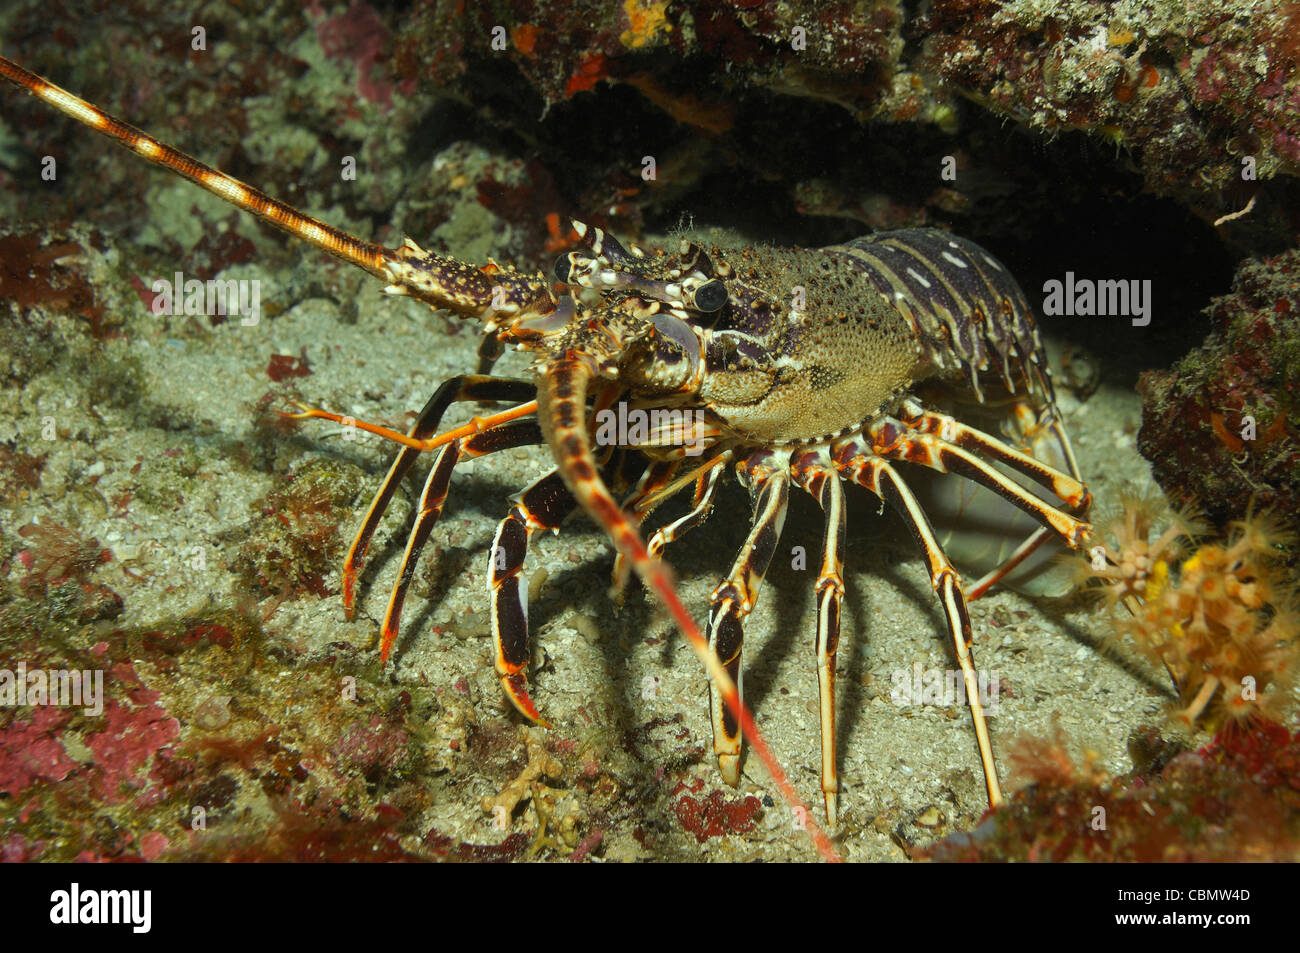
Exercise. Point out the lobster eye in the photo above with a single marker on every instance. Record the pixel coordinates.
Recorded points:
(710, 296)
(562, 269)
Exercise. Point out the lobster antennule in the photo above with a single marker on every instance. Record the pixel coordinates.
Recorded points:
(562, 400)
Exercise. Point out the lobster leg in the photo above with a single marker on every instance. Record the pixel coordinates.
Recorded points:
(947, 456)
(647, 502)
(562, 397)
(649, 497)
(706, 491)
(953, 433)
(1078, 505)
(490, 350)
(460, 388)
(864, 467)
(432, 500)
(543, 505)
(823, 484)
(648, 492)
(477, 425)
(735, 597)
(1027, 548)
(951, 453)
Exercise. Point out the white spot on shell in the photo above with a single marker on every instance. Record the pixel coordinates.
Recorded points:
(913, 272)
(954, 259)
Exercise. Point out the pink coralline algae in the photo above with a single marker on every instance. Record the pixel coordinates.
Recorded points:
(30, 751)
(152, 845)
(16, 849)
(1237, 799)
(132, 736)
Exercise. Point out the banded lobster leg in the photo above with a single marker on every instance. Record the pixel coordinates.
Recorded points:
(465, 387)
(650, 487)
(543, 505)
(1056, 443)
(524, 433)
(815, 474)
(639, 504)
(1065, 486)
(941, 443)
(735, 597)
(481, 436)
(658, 486)
(861, 464)
(706, 492)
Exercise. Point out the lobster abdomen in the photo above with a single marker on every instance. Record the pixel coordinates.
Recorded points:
(966, 310)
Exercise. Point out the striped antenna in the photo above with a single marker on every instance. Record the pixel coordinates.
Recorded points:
(351, 249)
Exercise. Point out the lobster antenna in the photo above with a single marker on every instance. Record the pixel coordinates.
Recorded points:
(562, 395)
(338, 243)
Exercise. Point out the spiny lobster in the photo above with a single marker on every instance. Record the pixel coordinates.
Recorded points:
(794, 368)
